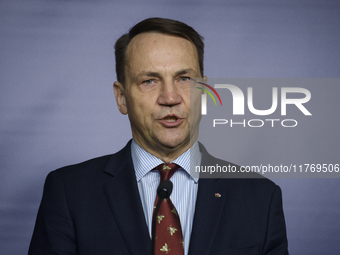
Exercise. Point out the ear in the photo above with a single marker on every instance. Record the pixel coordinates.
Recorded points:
(119, 91)
(205, 79)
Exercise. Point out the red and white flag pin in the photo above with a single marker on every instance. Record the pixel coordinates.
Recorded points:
(218, 195)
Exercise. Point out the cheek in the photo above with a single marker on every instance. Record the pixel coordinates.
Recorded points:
(140, 110)
(141, 105)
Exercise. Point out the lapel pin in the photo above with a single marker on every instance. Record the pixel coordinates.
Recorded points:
(218, 195)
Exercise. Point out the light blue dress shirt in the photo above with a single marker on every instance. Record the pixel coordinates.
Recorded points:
(185, 185)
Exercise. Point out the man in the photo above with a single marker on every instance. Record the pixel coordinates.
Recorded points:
(105, 205)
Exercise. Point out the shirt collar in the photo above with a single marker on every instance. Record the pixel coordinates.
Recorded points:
(144, 162)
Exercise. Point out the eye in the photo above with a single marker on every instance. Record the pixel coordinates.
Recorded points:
(148, 82)
(184, 79)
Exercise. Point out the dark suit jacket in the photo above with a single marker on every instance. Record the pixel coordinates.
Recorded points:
(94, 208)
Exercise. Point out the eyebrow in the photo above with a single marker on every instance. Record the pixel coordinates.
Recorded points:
(185, 71)
(156, 74)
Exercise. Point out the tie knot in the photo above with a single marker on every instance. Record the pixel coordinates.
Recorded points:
(167, 170)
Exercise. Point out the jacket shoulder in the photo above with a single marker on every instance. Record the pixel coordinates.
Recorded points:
(96, 166)
(225, 171)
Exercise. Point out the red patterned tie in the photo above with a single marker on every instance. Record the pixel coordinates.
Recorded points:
(169, 238)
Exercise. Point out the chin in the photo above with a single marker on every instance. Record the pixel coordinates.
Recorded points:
(173, 142)
(173, 138)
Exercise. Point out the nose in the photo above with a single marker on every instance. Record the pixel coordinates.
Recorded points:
(169, 94)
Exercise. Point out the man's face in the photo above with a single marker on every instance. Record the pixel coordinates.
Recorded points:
(156, 95)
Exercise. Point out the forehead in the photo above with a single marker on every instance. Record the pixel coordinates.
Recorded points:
(156, 50)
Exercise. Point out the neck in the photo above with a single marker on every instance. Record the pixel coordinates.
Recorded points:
(168, 156)
(164, 153)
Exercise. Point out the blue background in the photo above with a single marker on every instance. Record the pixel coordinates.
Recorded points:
(57, 105)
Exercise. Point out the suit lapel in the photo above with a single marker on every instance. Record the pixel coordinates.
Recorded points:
(210, 201)
(123, 196)
(124, 199)
(211, 198)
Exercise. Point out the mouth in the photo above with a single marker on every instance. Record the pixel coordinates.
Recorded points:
(170, 118)
(171, 121)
